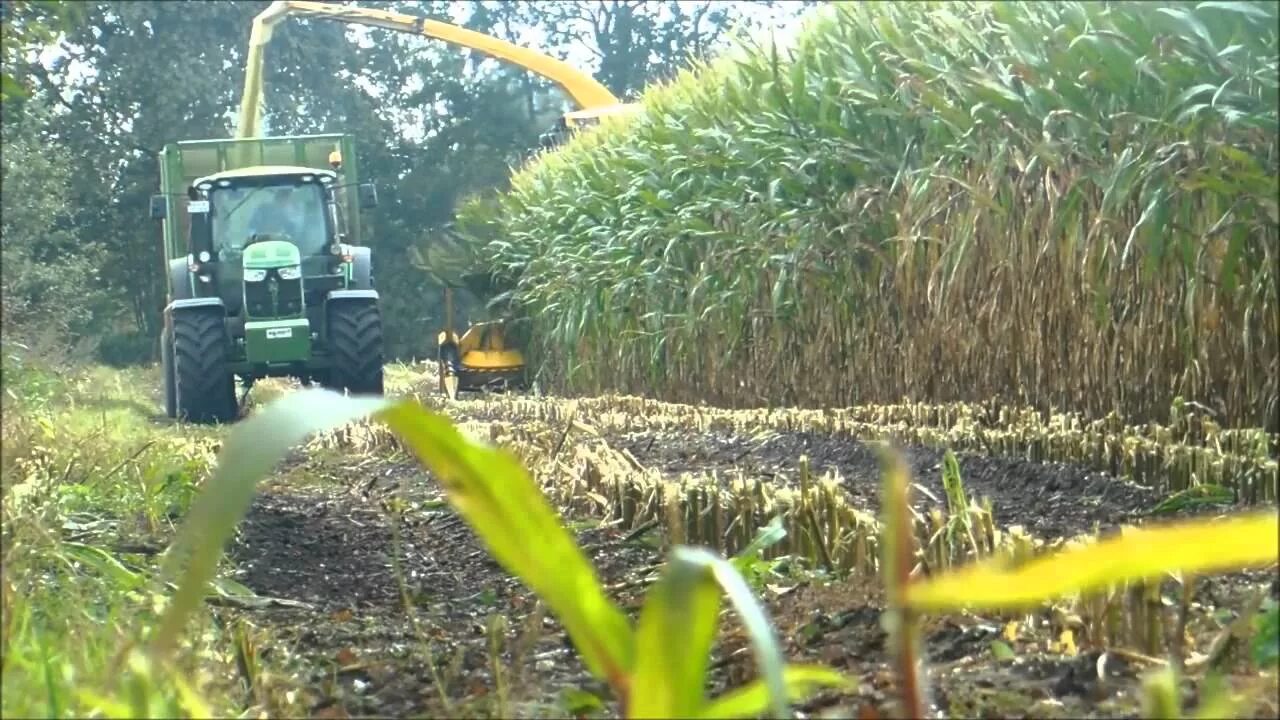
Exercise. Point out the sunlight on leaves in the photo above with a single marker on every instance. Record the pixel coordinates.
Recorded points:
(1200, 546)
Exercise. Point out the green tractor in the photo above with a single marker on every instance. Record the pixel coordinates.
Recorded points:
(266, 273)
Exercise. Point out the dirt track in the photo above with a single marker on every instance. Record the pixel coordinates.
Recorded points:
(356, 647)
(322, 534)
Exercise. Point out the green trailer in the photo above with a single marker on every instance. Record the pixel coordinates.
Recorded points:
(267, 275)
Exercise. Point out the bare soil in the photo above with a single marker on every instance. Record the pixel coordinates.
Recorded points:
(406, 614)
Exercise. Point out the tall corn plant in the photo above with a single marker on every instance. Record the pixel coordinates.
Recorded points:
(1089, 187)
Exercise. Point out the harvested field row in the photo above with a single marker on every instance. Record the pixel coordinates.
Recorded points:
(455, 591)
(1152, 458)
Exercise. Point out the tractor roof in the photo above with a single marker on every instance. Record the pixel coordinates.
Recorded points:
(264, 171)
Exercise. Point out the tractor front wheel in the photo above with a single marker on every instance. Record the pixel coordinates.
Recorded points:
(204, 388)
(355, 342)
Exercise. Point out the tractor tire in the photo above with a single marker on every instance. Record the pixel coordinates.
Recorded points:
(205, 389)
(166, 371)
(355, 342)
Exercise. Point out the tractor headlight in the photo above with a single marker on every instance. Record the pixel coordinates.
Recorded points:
(204, 256)
(255, 275)
(290, 273)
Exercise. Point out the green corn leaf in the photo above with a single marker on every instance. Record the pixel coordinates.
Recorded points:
(1160, 695)
(1190, 24)
(673, 642)
(689, 568)
(766, 537)
(751, 700)
(1266, 640)
(500, 501)
(252, 449)
(1002, 651)
(1228, 274)
(1249, 9)
(106, 563)
(1217, 699)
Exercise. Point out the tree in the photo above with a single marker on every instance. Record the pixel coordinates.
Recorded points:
(49, 282)
(639, 42)
(30, 25)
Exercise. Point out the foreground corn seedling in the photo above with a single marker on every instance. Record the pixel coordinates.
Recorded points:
(657, 669)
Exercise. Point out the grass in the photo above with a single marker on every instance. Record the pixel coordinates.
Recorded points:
(93, 486)
(1046, 204)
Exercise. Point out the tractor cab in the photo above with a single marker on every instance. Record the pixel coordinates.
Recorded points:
(256, 233)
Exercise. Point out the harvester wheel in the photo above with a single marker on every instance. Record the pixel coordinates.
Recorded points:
(204, 388)
(166, 370)
(355, 336)
(450, 370)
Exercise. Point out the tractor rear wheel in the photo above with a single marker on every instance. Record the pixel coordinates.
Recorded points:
(355, 342)
(166, 370)
(205, 389)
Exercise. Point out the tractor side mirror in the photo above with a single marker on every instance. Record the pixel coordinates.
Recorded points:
(368, 195)
(159, 208)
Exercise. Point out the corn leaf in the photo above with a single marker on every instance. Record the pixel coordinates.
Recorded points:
(698, 564)
(751, 700)
(252, 449)
(1200, 546)
(673, 643)
(106, 563)
(500, 501)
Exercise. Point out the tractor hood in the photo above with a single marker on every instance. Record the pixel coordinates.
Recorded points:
(271, 254)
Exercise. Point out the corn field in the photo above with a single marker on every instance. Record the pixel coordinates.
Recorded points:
(1057, 205)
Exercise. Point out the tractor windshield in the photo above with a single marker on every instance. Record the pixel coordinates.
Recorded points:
(293, 212)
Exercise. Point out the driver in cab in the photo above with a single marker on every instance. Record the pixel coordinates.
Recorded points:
(278, 215)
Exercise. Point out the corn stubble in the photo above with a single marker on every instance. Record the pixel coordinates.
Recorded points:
(1051, 204)
(725, 511)
(1188, 453)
